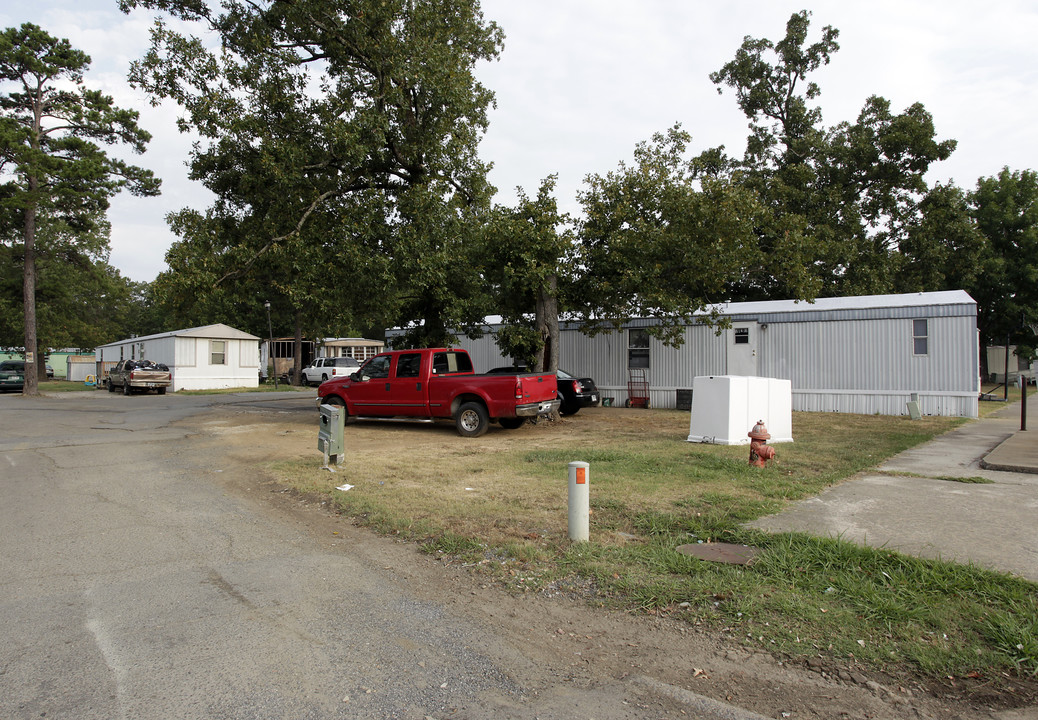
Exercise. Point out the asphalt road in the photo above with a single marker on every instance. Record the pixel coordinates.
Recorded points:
(133, 585)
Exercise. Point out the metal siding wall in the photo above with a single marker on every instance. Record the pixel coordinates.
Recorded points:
(186, 352)
(604, 358)
(484, 352)
(871, 355)
(841, 355)
(867, 366)
(161, 351)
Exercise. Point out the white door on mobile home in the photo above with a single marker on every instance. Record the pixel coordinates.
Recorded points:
(742, 348)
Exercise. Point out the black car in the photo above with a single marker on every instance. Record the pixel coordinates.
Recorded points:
(574, 392)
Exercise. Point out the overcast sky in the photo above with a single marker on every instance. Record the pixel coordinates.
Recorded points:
(581, 82)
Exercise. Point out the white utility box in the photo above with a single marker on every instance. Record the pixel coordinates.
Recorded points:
(726, 407)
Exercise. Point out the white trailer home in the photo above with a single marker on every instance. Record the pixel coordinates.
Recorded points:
(999, 363)
(865, 354)
(203, 358)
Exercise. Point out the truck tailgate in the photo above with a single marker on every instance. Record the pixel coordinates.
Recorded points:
(538, 387)
(149, 377)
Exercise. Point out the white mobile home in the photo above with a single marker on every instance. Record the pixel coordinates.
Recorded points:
(203, 358)
(999, 362)
(865, 354)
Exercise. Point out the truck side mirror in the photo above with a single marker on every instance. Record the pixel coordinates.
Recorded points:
(355, 377)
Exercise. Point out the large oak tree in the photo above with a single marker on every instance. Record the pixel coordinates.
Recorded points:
(340, 138)
(857, 185)
(664, 237)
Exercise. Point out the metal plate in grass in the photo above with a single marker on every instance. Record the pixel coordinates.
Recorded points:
(722, 552)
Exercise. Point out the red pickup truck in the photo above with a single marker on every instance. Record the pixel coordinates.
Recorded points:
(431, 383)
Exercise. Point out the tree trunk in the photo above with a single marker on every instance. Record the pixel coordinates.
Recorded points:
(546, 316)
(31, 386)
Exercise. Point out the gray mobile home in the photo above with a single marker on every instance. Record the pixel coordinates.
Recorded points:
(864, 354)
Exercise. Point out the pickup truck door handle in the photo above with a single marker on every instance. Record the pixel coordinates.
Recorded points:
(387, 387)
(418, 386)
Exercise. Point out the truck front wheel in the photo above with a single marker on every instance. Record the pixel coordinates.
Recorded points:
(472, 419)
(338, 402)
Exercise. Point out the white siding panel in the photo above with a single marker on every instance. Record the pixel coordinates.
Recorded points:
(186, 356)
(248, 355)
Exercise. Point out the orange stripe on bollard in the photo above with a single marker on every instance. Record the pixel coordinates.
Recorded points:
(581, 476)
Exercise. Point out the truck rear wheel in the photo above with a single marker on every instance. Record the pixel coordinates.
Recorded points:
(472, 419)
(162, 391)
(126, 388)
(511, 423)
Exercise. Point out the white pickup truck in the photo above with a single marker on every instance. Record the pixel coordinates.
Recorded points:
(322, 369)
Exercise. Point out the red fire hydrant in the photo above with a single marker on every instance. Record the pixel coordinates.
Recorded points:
(759, 452)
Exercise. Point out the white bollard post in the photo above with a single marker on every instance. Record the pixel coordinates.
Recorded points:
(579, 501)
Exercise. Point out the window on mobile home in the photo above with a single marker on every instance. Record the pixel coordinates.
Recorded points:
(217, 352)
(638, 348)
(920, 337)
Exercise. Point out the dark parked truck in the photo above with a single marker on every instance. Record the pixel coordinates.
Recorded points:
(439, 383)
(139, 376)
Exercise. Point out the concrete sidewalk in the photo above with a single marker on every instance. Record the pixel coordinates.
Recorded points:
(915, 505)
(1018, 452)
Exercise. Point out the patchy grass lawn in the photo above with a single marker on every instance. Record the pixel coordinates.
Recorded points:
(64, 386)
(499, 504)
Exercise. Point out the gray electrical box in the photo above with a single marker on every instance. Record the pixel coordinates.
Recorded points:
(330, 432)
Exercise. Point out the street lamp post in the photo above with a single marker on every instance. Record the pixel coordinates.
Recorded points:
(270, 346)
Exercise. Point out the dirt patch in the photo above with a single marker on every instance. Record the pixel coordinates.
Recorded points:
(562, 638)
